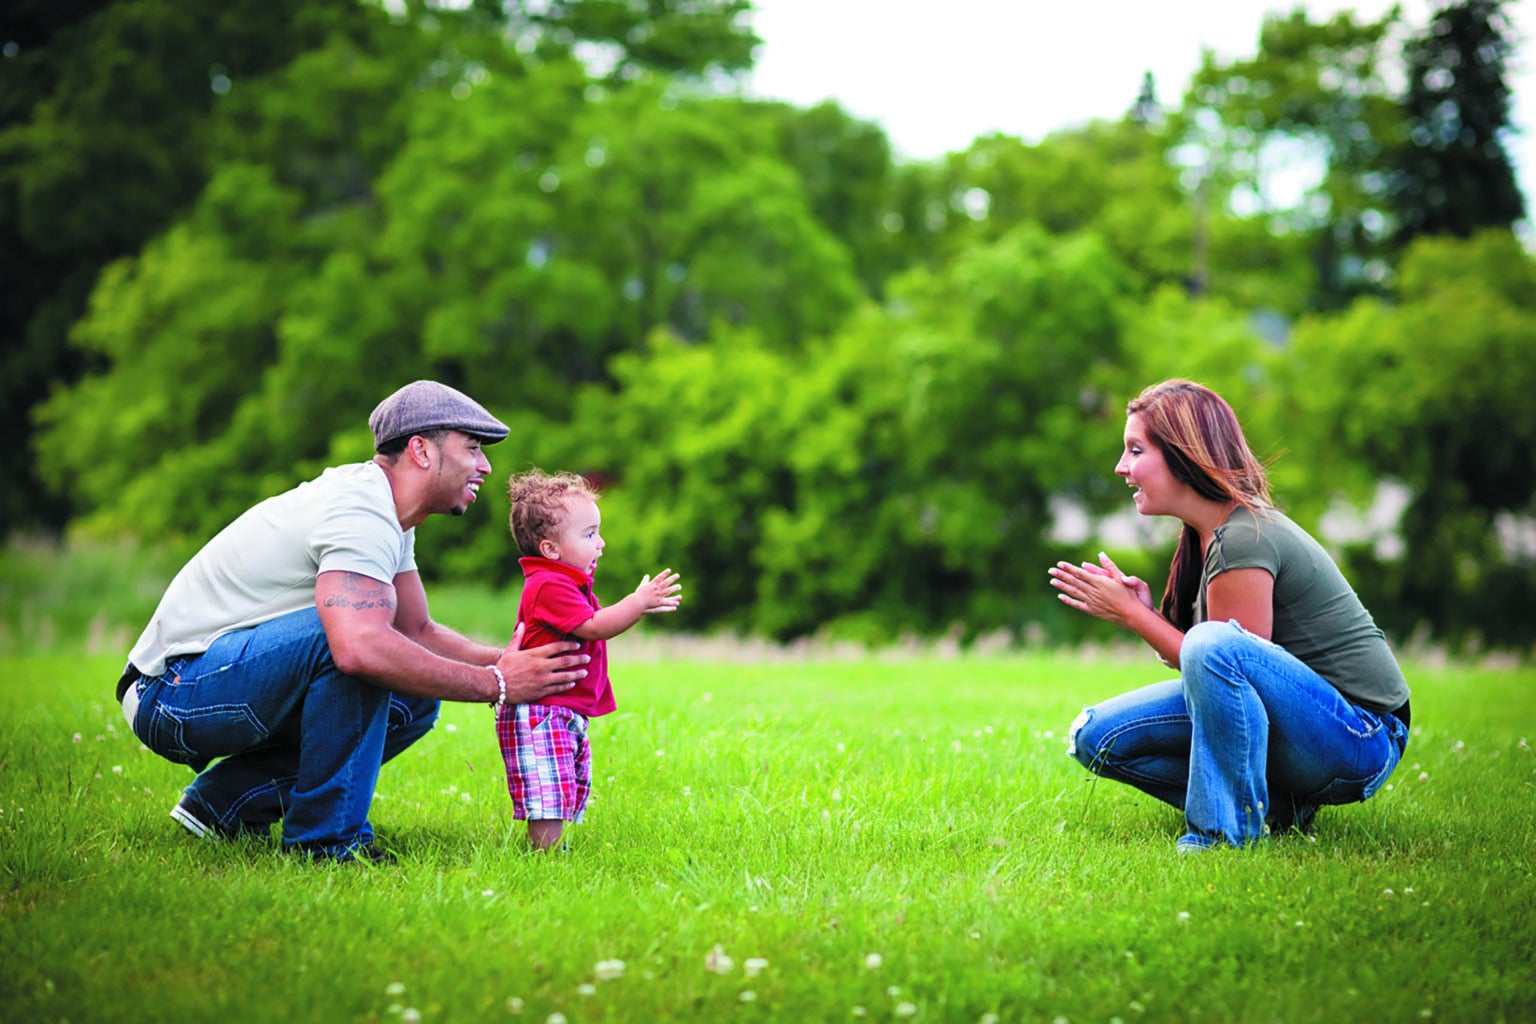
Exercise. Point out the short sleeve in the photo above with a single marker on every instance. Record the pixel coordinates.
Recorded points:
(358, 535)
(560, 605)
(1243, 544)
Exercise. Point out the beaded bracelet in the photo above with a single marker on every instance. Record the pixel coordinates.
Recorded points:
(501, 686)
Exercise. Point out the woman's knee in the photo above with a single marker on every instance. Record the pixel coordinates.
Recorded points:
(1083, 738)
(1205, 639)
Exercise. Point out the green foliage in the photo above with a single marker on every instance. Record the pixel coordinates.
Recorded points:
(839, 393)
(1453, 174)
(895, 475)
(1435, 393)
(1312, 87)
(849, 179)
(104, 143)
(1111, 179)
(630, 37)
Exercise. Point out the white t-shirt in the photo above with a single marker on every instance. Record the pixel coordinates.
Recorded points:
(264, 564)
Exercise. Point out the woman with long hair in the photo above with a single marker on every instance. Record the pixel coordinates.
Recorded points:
(1288, 696)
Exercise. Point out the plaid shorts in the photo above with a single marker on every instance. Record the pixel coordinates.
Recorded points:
(549, 765)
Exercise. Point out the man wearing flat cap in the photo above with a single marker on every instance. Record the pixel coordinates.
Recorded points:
(294, 654)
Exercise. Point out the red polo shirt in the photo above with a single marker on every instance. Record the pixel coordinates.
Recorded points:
(556, 599)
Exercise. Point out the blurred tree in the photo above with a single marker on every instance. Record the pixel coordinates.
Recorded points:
(1312, 93)
(1434, 393)
(1453, 176)
(1110, 178)
(893, 475)
(621, 40)
(212, 382)
(106, 135)
(692, 218)
(523, 234)
(928, 440)
(846, 170)
(102, 114)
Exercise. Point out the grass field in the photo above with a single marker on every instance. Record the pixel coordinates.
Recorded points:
(874, 838)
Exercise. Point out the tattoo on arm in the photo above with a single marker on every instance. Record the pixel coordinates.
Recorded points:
(358, 591)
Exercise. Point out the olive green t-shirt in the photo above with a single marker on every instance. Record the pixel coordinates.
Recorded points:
(1318, 616)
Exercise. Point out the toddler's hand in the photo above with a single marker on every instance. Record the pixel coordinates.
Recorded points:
(661, 593)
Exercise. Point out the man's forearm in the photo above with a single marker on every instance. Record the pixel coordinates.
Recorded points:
(443, 641)
(395, 662)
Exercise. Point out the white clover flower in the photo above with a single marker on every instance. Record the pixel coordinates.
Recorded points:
(586, 988)
(1183, 917)
(858, 1011)
(747, 995)
(77, 738)
(410, 1015)
(555, 1018)
(1423, 776)
(905, 1010)
(394, 988)
(717, 962)
(988, 1018)
(514, 1005)
(873, 961)
(607, 970)
(754, 965)
(117, 769)
(487, 892)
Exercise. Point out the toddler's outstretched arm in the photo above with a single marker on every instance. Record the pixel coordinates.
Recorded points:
(659, 593)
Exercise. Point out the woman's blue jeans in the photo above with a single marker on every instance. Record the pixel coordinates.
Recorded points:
(1249, 732)
(295, 740)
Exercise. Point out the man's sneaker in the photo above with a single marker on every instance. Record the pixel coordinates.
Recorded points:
(367, 853)
(371, 854)
(200, 821)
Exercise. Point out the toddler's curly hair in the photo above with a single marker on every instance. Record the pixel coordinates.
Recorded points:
(538, 504)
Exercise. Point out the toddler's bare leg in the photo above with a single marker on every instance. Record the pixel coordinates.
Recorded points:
(544, 832)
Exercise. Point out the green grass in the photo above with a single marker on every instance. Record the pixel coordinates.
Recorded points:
(809, 813)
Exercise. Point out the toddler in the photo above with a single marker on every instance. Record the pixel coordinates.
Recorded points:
(556, 524)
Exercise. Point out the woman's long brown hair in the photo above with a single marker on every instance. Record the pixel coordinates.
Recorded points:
(1202, 442)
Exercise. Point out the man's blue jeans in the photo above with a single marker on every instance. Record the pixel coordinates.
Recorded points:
(1248, 732)
(296, 740)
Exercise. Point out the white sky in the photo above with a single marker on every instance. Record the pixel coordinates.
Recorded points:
(937, 75)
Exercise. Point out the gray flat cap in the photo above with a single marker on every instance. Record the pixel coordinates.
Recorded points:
(425, 405)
